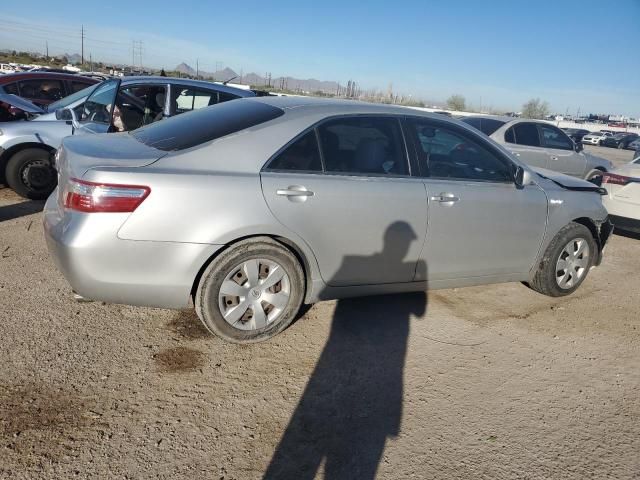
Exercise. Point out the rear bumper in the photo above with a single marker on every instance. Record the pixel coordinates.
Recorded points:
(100, 266)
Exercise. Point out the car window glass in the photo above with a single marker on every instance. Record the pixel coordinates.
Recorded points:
(77, 86)
(49, 90)
(187, 99)
(363, 145)
(486, 125)
(301, 155)
(526, 134)
(205, 125)
(11, 88)
(69, 99)
(509, 136)
(445, 153)
(98, 106)
(138, 105)
(554, 138)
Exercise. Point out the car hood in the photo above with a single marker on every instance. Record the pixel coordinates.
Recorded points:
(21, 103)
(567, 182)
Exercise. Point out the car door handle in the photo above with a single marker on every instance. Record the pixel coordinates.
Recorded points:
(516, 154)
(553, 157)
(445, 198)
(292, 192)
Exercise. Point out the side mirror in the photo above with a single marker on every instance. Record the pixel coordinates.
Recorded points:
(579, 147)
(522, 177)
(63, 114)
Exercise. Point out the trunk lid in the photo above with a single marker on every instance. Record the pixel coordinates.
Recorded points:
(79, 154)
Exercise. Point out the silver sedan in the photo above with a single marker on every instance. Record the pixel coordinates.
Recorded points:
(248, 209)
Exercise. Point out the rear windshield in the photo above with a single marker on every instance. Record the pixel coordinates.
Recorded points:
(206, 124)
(485, 125)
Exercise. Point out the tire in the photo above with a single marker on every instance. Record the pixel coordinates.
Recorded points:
(231, 266)
(620, 146)
(30, 174)
(545, 279)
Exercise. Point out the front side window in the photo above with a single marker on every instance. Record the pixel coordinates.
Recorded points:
(363, 146)
(139, 105)
(448, 154)
(48, 90)
(302, 155)
(77, 86)
(523, 134)
(555, 138)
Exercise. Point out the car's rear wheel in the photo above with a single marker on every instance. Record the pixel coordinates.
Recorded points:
(620, 146)
(595, 176)
(250, 292)
(566, 262)
(30, 173)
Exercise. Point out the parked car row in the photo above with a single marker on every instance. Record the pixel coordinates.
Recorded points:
(27, 146)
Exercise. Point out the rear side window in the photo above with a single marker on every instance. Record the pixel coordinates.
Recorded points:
(11, 88)
(204, 125)
(48, 90)
(523, 134)
(302, 155)
(363, 146)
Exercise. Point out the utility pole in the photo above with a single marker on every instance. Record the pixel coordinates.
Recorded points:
(90, 62)
(197, 68)
(47, 48)
(82, 45)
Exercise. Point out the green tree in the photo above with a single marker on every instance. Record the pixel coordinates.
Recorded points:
(535, 108)
(456, 102)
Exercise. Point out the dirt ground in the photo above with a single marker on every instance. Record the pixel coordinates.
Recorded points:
(483, 382)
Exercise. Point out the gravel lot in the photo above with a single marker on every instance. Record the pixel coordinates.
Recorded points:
(483, 382)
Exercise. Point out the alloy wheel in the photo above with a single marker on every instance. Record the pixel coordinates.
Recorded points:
(572, 263)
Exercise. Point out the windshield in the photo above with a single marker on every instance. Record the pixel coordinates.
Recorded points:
(206, 124)
(68, 100)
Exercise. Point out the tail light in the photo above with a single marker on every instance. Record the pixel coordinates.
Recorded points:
(614, 179)
(91, 197)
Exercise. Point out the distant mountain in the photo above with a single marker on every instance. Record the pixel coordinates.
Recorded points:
(302, 85)
(186, 69)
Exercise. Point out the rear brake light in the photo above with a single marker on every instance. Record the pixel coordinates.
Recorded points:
(616, 179)
(90, 197)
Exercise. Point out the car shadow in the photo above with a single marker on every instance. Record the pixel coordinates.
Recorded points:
(353, 400)
(17, 210)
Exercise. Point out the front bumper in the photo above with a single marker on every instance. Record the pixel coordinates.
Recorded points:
(100, 266)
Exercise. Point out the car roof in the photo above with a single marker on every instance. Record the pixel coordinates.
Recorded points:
(13, 77)
(303, 106)
(151, 79)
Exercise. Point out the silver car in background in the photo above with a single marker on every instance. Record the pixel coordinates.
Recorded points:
(250, 208)
(541, 144)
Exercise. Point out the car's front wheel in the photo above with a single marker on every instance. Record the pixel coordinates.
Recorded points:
(250, 292)
(30, 173)
(566, 262)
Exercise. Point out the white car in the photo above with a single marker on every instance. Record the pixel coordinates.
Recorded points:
(595, 138)
(623, 196)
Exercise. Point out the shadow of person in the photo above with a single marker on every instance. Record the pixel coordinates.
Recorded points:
(353, 400)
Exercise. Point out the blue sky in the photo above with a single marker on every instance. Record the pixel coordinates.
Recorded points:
(574, 54)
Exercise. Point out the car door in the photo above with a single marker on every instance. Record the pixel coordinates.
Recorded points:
(98, 109)
(353, 202)
(480, 223)
(523, 140)
(561, 151)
